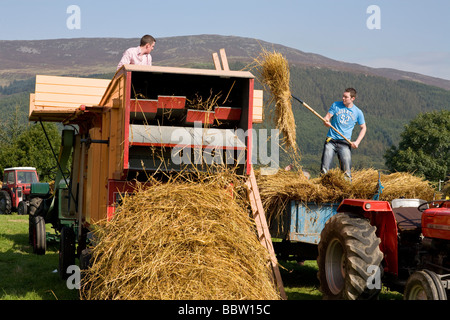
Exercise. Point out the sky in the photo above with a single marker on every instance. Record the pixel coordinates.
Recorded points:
(409, 35)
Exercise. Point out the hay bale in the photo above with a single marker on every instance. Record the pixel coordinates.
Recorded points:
(274, 74)
(180, 240)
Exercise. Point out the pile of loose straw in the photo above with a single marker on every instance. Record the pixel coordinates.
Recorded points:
(274, 74)
(180, 240)
(277, 190)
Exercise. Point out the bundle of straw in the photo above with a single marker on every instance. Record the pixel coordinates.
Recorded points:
(180, 240)
(274, 73)
(278, 190)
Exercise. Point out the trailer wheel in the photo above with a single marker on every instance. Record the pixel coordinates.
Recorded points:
(424, 285)
(39, 235)
(5, 202)
(66, 251)
(349, 254)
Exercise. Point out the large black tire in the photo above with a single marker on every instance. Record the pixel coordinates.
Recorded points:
(66, 251)
(22, 208)
(39, 235)
(35, 208)
(5, 202)
(348, 255)
(424, 285)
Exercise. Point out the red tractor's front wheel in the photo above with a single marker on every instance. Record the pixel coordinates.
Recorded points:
(424, 285)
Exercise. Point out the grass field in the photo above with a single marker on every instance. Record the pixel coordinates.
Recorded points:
(26, 276)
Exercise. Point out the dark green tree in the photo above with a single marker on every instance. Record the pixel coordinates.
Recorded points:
(424, 147)
(30, 148)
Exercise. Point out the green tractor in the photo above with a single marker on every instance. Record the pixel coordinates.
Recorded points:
(56, 207)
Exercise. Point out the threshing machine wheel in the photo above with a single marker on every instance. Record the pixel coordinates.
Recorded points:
(424, 285)
(33, 210)
(349, 254)
(38, 235)
(66, 250)
(5, 202)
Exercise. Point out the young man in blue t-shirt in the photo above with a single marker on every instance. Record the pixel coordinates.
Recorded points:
(342, 115)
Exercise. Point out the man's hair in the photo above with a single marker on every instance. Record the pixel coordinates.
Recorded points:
(351, 91)
(147, 39)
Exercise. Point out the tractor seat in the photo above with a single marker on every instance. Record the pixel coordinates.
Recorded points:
(408, 217)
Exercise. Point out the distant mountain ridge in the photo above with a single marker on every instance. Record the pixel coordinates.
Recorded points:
(20, 60)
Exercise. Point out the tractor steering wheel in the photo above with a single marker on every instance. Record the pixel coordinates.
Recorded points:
(422, 207)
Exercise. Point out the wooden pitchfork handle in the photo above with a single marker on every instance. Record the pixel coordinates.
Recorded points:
(320, 117)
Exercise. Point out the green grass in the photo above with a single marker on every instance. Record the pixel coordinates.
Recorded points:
(301, 282)
(26, 276)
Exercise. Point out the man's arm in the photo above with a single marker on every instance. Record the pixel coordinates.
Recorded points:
(362, 133)
(327, 119)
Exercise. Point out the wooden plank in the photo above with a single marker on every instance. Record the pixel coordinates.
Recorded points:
(191, 71)
(72, 81)
(223, 56)
(258, 106)
(216, 61)
(74, 90)
(58, 99)
(263, 229)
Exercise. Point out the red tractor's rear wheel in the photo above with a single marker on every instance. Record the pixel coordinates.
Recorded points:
(349, 254)
(5, 202)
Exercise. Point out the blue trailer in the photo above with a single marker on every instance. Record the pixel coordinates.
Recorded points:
(300, 228)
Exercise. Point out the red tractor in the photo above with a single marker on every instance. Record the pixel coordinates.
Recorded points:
(405, 245)
(16, 188)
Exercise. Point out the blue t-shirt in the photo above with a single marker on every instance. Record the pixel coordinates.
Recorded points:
(344, 120)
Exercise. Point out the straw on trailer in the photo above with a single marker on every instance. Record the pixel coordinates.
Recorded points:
(279, 189)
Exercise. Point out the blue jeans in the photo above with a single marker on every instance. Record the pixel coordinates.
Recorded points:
(344, 154)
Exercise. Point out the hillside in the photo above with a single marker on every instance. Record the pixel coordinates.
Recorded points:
(20, 60)
(389, 98)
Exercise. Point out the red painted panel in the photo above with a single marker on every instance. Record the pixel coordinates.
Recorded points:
(227, 113)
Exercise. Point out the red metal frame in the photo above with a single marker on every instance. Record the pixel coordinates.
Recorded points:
(126, 142)
(250, 126)
(381, 216)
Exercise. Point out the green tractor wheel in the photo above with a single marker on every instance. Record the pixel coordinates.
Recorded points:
(66, 251)
(38, 235)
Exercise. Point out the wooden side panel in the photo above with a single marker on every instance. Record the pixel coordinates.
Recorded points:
(93, 184)
(64, 94)
(258, 106)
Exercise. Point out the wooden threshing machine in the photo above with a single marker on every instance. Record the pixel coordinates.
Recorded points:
(142, 121)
